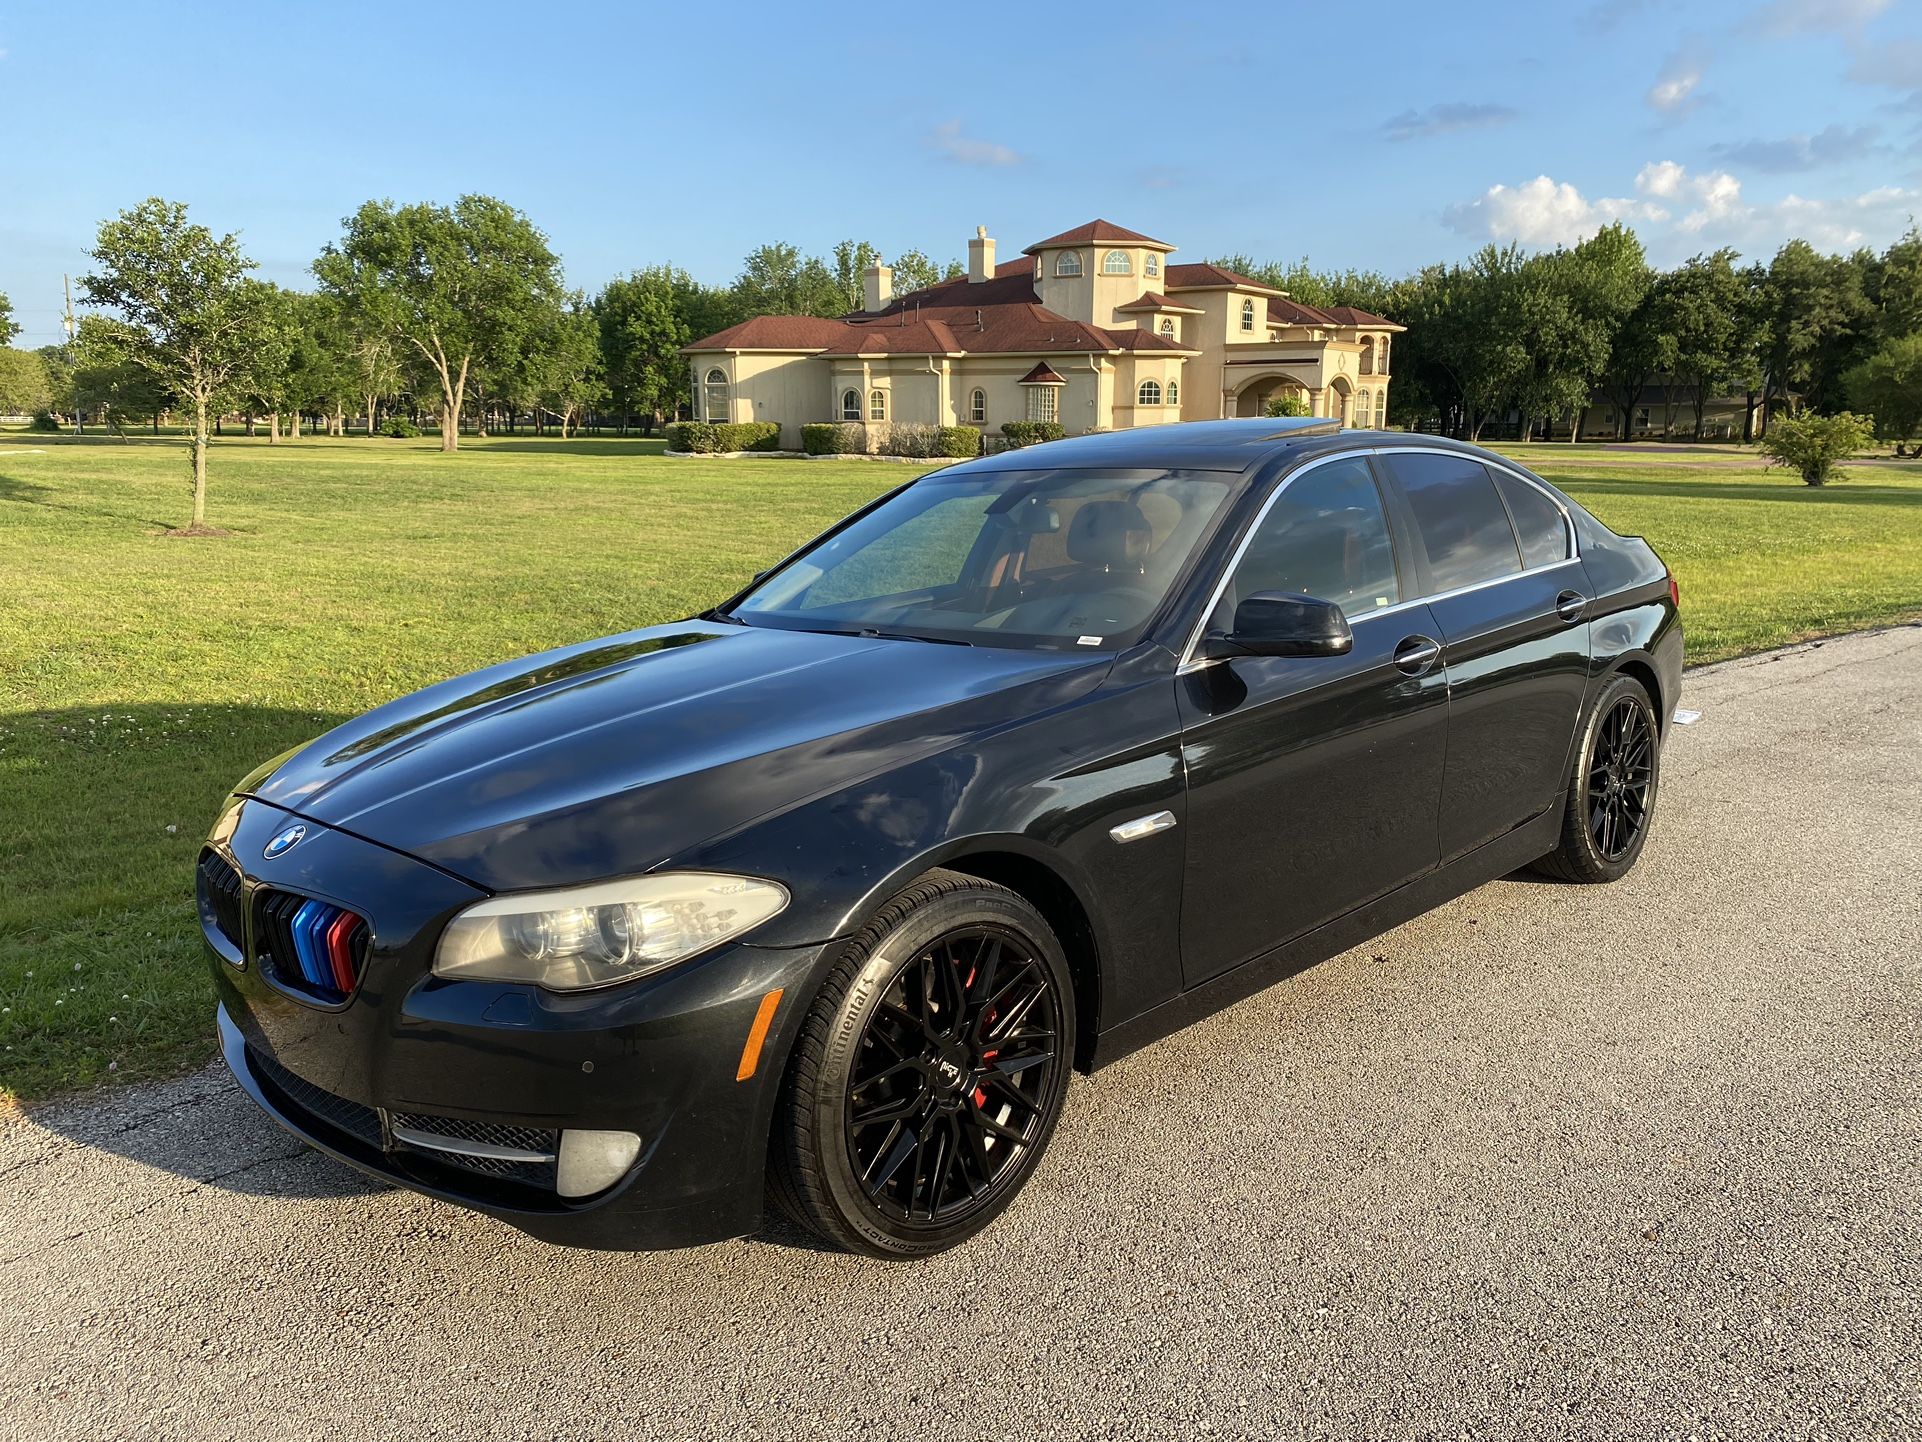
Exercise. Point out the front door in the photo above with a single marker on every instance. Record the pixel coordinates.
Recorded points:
(1313, 783)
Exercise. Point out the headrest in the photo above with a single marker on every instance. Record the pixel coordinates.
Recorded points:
(1109, 533)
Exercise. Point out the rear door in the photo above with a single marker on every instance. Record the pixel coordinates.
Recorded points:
(1498, 570)
(1313, 782)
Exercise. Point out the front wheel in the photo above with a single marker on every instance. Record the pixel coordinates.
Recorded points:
(1611, 796)
(929, 1074)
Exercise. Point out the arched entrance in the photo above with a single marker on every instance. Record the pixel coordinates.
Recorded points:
(1341, 401)
(1252, 398)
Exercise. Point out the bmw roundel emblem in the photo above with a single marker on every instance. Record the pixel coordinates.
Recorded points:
(285, 842)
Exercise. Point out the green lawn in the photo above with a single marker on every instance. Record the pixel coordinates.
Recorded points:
(140, 675)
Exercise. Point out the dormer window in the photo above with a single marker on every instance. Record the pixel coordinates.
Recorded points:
(1067, 263)
(1151, 264)
(1248, 315)
(1116, 262)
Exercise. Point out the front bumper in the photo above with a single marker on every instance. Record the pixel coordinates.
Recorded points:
(658, 1057)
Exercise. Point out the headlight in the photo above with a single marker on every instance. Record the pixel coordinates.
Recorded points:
(613, 931)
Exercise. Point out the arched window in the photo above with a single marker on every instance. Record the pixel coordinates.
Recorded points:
(1381, 409)
(1361, 408)
(1067, 263)
(1247, 315)
(1149, 394)
(978, 406)
(1381, 356)
(1115, 262)
(850, 405)
(1174, 392)
(714, 396)
(1368, 355)
(1167, 327)
(877, 405)
(1151, 264)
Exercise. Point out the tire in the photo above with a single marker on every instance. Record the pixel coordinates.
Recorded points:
(950, 1020)
(1610, 773)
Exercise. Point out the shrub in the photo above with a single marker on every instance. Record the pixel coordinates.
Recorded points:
(400, 428)
(833, 438)
(910, 439)
(44, 421)
(1032, 433)
(710, 438)
(1813, 446)
(1288, 405)
(958, 442)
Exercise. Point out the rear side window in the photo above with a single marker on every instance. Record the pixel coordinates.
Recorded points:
(1539, 524)
(1459, 518)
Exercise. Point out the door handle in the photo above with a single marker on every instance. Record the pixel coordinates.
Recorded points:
(1416, 654)
(1570, 605)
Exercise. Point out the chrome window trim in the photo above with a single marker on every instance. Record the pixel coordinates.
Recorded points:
(1191, 662)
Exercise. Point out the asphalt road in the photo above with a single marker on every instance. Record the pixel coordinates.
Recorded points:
(1632, 1161)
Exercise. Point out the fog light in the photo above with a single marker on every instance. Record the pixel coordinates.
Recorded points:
(593, 1161)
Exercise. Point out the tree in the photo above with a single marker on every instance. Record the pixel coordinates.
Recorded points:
(851, 262)
(25, 388)
(185, 311)
(913, 271)
(8, 330)
(1703, 310)
(1643, 348)
(1819, 318)
(106, 382)
(564, 364)
(778, 280)
(1287, 405)
(1814, 446)
(1898, 291)
(460, 286)
(270, 376)
(643, 326)
(1889, 385)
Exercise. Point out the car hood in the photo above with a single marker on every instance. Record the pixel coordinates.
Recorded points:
(609, 757)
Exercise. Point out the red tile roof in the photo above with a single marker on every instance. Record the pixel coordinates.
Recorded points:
(1352, 315)
(1096, 232)
(1042, 375)
(1212, 277)
(1155, 300)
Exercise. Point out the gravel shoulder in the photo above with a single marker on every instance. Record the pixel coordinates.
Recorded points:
(1641, 1160)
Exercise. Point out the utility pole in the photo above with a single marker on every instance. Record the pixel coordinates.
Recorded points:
(73, 368)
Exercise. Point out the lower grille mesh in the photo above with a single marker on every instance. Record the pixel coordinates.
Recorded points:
(361, 1123)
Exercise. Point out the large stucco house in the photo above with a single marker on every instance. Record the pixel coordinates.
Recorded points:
(1094, 328)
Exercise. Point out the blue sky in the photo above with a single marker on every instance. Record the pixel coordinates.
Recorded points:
(1384, 137)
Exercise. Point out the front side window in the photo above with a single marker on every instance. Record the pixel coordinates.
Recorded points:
(1115, 262)
(1151, 264)
(1381, 409)
(1459, 519)
(1055, 558)
(877, 405)
(1539, 523)
(850, 405)
(1247, 315)
(1042, 404)
(714, 395)
(978, 406)
(1326, 536)
(1149, 394)
(1361, 408)
(1067, 263)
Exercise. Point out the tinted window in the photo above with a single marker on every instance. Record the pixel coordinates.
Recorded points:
(1325, 536)
(1538, 522)
(1459, 517)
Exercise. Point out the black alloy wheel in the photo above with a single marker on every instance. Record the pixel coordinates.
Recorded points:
(1621, 775)
(953, 1076)
(928, 1074)
(1611, 795)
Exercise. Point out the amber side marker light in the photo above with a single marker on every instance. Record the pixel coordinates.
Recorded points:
(757, 1034)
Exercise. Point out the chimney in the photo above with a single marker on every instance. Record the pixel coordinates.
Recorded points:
(980, 256)
(877, 287)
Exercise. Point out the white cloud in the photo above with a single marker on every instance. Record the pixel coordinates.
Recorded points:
(947, 139)
(1544, 212)
(1673, 92)
(1678, 211)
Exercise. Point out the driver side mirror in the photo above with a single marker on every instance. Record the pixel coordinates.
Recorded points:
(1280, 623)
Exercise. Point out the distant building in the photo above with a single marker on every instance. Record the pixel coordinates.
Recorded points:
(1094, 328)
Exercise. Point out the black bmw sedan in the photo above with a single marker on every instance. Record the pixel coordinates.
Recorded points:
(826, 891)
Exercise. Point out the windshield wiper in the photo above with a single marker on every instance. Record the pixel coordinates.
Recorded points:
(871, 634)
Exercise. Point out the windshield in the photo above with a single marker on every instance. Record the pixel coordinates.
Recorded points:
(1003, 558)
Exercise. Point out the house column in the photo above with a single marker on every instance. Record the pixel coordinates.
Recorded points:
(1316, 407)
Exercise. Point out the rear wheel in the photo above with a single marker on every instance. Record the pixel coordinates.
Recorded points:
(929, 1073)
(1611, 796)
